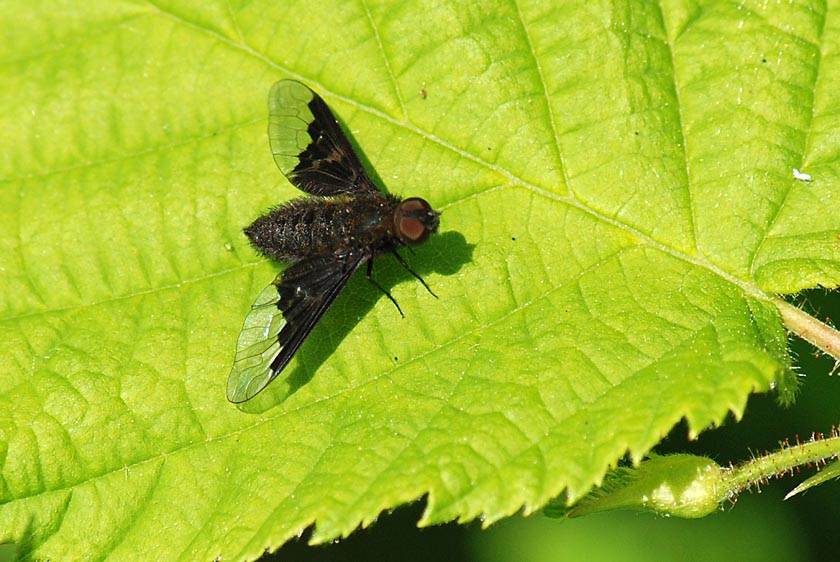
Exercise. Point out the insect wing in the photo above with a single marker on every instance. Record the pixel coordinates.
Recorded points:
(307, 290)
(257, 347)
(308, 144)
(283, 315)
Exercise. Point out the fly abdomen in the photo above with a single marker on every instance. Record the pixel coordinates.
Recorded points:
(312, 226)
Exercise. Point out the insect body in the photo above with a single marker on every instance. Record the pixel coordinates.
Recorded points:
(325, 238)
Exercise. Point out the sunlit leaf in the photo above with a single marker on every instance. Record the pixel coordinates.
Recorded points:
(619, 210)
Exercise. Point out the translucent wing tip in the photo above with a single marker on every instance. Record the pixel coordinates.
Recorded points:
(251, 370)
(256, 348)
(288, 93)
(289, 117)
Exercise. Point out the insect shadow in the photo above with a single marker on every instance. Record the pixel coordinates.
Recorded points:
(445, 255)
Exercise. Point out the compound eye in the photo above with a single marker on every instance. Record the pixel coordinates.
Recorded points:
(412, 230)
(415, 220)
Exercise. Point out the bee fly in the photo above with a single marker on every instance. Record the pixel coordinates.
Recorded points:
(325, 238)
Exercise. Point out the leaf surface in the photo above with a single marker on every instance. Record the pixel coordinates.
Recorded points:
(619, 210)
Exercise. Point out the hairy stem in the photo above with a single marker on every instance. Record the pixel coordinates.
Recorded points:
(817, 450)
(810, 329)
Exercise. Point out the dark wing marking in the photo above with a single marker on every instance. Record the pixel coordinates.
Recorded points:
(307, 290)
(282, 317)
(308, 144)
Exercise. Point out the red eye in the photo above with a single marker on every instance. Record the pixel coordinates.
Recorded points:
(412, 229)
(414, 220)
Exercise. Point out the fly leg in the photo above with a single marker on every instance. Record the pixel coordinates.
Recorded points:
(381, 288)
(411, 271)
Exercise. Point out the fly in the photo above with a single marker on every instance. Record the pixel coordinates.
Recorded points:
(325, 238)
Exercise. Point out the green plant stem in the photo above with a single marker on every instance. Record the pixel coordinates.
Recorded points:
(785, 460)
(810, 329)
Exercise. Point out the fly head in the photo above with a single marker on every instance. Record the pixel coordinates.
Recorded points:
(414, 220)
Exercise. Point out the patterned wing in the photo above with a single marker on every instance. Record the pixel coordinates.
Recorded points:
(283, 315)
(308, 144)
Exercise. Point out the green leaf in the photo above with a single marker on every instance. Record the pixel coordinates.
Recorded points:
(619, 212)
(831, 472)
